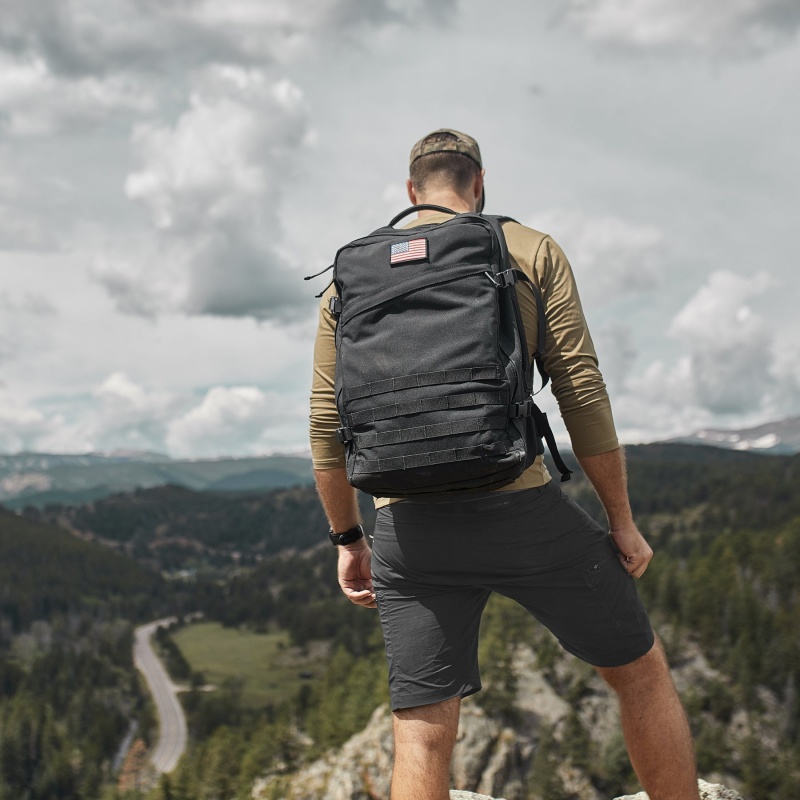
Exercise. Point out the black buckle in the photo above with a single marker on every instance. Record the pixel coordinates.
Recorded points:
(344, 435)
(524, 409)
(503, 279)
(335, 306)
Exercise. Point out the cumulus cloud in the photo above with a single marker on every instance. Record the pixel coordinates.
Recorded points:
(733, 367)
(127, 415)
(617, 349)
(239, 419)
(22, 324)
(118, 414)
(21, 427)
(35, 101)
(212, 185)
(611, 256)
(124, 414)
(91, 37)
(728, 343)
(659, 403)
(708, 26)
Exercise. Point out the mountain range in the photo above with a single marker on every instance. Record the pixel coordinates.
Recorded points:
(781, 437)
(39, 479)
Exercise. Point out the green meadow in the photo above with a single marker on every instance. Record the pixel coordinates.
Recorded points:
(270, 668)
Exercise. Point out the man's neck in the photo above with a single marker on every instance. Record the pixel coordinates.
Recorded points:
(452, 200)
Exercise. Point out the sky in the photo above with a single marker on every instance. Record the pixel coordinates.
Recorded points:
(171, 169)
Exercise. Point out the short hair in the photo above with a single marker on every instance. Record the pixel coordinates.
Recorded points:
(450, 169)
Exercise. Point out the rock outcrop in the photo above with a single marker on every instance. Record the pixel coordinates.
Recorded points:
(563, 711)
(487, 758)
(708, 791)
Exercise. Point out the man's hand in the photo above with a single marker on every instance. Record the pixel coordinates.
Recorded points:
(634, 552)
(355, 575)
(606, 472)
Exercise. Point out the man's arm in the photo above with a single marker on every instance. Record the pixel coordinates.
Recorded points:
(606, 472)
(340, 502)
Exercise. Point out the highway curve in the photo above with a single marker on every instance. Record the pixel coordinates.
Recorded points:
(171, 719)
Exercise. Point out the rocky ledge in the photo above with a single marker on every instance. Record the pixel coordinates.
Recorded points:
(708, 791)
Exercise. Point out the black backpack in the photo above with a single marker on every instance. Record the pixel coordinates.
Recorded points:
(433, 377)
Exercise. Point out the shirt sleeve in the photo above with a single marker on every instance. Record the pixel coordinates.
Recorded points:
(326, 451)
(569, 354)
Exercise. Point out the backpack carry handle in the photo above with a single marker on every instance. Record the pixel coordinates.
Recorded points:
(424, 206)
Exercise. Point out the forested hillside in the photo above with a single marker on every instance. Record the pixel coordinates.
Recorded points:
(172, 528)
(723, 589)
(68, 689)
(45, 572)
(725, 583)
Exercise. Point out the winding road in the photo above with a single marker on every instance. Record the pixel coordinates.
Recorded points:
(171, 719)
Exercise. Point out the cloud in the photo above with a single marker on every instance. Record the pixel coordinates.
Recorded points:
(121, 413)
(22, 230)
(67, 64)
(100, 37)
(21, 224)
(727, 342)
(34, 101)
(616, 345)
(735, 368)
(117, 414)
(23, 328)
(659, 403)
(239, 419)
(126, 415)
(611, 256)
(21, 427)
(212, 186)
(734, 27)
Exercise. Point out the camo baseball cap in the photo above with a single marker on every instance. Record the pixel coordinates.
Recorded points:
(462, 143)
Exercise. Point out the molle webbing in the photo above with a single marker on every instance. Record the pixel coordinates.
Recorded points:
(433, 458)
(427, 404)
(420, 379)
(418, 433)
(433, 375)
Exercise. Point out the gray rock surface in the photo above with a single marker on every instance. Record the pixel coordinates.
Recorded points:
(458, 795)
(486, 758)
(492, 761)
(708, 791)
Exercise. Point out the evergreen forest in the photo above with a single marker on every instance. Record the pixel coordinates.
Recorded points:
(724, 588)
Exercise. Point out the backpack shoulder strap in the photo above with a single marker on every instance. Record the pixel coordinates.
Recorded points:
(496, 223)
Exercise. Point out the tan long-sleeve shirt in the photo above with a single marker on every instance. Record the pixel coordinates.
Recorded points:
(569, 357)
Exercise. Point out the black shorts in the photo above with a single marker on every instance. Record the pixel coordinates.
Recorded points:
(436, 561)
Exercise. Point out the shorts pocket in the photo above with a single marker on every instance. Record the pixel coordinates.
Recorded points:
(599, 560)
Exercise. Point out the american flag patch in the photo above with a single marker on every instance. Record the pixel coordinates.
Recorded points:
(410, 250)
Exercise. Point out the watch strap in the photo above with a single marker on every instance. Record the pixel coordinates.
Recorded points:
(352, 535)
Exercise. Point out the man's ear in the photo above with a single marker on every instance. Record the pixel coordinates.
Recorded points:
(477, 186)
(412, 195)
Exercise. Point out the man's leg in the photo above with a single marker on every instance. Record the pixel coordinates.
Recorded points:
(655, 726)
(424, 737)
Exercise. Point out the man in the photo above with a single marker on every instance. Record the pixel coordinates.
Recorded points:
(435, 560)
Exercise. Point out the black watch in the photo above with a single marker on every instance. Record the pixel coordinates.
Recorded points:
(353, 535)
